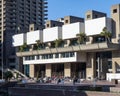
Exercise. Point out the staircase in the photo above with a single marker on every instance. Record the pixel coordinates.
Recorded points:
(16, 72)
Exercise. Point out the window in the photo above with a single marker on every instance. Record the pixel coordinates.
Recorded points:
(12, 60)
(50, 56)
(114, 10)
(66, 21)
(72, 54)
(37, 57)
(27, 58)
(67, 54)
(46, 56)
(62, 55)
(56, 55)
(31, 28)
(12, 67)
(43, 56)
(109, 64)
(47, 25)
(96, 16)
(53, 25)
(99, 39)
(88, 16)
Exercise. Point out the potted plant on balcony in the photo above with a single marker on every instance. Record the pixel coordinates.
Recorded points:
(58, 42)
(107, 34)
(23, 47)
(81, 37)
(39, 44)
(52, 44)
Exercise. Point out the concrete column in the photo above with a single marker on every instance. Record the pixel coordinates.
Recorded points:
(113, 65)
(90, 66)
(116, 61)
(67, 69)
(48, 70)
(32, 70)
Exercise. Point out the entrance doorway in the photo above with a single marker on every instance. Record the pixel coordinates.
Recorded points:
(103, 64)
(78, 70)
(57, 70)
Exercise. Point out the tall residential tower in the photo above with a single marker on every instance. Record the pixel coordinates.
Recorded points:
(15, 17)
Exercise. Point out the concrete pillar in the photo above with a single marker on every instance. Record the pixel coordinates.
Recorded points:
(116, 61)
(67, 69)
(90, 66)
(48, 70)
(32, 70)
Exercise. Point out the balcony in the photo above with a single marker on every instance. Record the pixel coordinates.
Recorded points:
(104, 46)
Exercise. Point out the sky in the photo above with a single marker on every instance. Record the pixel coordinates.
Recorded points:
(60, 8)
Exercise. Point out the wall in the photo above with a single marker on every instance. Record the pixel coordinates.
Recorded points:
(18, 40)
(95, 26)
(81, 56)
(51, 34)
(33, 36)
(70, 30)
(90, 66)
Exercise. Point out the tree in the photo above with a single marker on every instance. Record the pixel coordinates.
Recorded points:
(107, 34)
(81, 37)
(8, 75)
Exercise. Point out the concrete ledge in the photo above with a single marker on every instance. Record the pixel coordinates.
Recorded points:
(82, 47)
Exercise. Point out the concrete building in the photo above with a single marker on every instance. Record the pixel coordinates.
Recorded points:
(60, 52)
(15, 17)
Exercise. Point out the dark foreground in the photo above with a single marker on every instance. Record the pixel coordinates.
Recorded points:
(79, 89)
